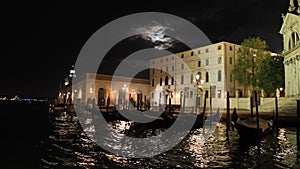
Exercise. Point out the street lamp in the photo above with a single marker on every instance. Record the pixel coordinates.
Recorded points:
(281, 94)
(199, 84)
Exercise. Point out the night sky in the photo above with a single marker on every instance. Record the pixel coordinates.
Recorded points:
(42, 40)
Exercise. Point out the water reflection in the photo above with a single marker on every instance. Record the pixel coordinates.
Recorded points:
(68, 147)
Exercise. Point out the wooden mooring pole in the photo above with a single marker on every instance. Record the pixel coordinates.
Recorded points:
(298, 125)
(251, 106)
(276, 113)
(204, 111)
(210, 111)
(257, 114)
(227, 116)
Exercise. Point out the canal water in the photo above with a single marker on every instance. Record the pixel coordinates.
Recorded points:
(67, 146)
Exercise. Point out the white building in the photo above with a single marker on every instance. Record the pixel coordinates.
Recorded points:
(291, 50)
(173, 76)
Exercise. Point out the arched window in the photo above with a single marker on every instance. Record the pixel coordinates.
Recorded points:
(294, 40)
(160, 81)
(101, 97)
(167, 80)
(206, 77)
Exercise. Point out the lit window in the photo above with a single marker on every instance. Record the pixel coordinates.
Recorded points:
(219, 93)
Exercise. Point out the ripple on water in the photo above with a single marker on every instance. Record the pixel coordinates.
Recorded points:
(68, 147)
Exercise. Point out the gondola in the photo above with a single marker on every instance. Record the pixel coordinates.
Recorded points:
(170, 118)
(247, 128)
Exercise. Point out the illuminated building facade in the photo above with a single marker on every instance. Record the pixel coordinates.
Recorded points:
(290, 31)
(173, 76)
(103, 90)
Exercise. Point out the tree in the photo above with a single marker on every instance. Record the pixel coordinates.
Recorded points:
(249, 56)
(271, 74)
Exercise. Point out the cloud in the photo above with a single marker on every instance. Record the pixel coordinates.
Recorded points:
(157, 34)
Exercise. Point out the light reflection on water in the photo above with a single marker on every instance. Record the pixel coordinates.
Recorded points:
(68, 147)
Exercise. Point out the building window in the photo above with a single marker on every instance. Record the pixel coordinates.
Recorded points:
(160, 60)
(182, 79)
(160, 81)
(182, 66)
(153, 70)
(191, 94)
(219, 60)
(230, 47)
(219, 93)
(192, 78)
(230, 78)
(206, 50)
(152, 95)
(219, 47)
(206, 77)
(199, 63)
(199, 52)
(172, 81)
(219, 76)
(153, 62)
(192, 53)
(167, 69)
(167, 80)
(213, 91)
(182, 55)
(152, 82)
(160, 70)
(167, 59)
(207, 62)
(172, 57)
(230, 60)
(160, 95)
(172, 68)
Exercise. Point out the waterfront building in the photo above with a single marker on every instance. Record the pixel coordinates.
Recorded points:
(290, 31)
(173, 77)
(103, 90)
